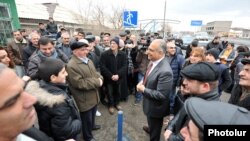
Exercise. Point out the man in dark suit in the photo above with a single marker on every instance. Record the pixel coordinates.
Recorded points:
(156, 87)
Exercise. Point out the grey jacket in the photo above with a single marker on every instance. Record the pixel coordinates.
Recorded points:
(157, 89)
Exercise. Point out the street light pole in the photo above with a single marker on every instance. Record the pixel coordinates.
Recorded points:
(164, 19)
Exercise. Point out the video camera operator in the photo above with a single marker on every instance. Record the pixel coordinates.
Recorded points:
(142, 61)
(143, 43)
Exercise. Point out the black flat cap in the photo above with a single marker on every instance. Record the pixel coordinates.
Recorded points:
(79, 44)
(245, 61)
(123, 34)
(90, 38)
(204, 112)
(245, 53)
(202, 71)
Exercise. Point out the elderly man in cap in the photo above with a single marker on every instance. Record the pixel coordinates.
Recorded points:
(84, 82)
(219, 113)
(241, 91)
(200, 80)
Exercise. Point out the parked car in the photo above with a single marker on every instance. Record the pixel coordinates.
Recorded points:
(202, 36)
(203, 43)
(187, 39)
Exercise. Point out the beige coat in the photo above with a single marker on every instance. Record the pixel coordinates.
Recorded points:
(83, 83)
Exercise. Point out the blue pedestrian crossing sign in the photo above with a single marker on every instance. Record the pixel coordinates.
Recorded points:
(130, 18)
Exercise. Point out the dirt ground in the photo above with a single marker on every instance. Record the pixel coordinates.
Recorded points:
(133, 118)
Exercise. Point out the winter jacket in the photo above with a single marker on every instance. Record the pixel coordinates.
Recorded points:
(83, 83)
(225, 79)
(112, 65)
(58, 116)
(43, 32)
(142, 61)
(176, 62)
(15, 49)
(52, 27)
(65, 49)
(36, 59)
(236, 95)
(231, 56)
(211, 45)
(27, 52)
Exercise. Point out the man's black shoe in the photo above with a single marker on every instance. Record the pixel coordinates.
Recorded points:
(96, 127)
(105, 103)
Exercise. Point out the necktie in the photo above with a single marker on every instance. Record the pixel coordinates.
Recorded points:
(147, 73)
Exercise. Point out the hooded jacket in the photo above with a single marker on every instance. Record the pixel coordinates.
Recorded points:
(57, 114)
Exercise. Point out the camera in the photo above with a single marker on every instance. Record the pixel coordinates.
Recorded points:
(129, 43)
(144, 43)
(142, 47)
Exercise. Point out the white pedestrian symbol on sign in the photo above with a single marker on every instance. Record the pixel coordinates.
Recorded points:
(129, 16)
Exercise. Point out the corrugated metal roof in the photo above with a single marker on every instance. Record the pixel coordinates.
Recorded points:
(39, 11)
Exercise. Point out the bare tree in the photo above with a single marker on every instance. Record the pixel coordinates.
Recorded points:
(115, 18)
(168, 28)
(94, 14)
(85, 11)
(99, 15)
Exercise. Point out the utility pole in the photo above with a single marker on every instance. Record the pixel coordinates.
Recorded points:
(164, 19)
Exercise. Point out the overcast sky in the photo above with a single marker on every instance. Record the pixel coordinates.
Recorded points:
(184, 11)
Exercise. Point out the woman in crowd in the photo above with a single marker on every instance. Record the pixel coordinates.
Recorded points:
(5, 58)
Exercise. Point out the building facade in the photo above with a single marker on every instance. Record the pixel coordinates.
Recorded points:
(217, 27)
(8, 20)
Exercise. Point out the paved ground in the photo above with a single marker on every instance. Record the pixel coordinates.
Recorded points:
(134, 119)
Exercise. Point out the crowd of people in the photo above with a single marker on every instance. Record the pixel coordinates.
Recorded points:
(65, 77)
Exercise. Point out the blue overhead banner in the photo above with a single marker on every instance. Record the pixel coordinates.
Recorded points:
(196, 23)
(130, 18)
